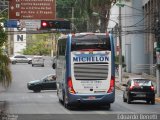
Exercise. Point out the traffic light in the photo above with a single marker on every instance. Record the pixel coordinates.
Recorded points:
(55, 24)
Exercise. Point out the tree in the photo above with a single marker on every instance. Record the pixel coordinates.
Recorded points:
(87, 7)
(40, 45)
(5, 73)
(83, 17)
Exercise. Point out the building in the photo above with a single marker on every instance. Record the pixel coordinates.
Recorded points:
(3, 4)
(138, 33)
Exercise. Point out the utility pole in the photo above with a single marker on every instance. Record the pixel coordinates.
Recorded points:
(158, 63)
(119, 4)
(72, 25)
(157, 35)
(120, 46)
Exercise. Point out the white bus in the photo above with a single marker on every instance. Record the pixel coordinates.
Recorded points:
(85, 69)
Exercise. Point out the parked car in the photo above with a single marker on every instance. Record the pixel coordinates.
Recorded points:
(46, 83)
(38, 60)
(20, 59)
(139, 89)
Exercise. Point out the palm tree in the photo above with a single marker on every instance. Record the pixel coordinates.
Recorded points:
(5, 73)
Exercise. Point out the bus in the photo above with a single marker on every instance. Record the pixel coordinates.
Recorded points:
(85, 69)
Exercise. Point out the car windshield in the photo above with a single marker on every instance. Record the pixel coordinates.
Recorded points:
(20, 57)
(50, 77)
(37, 58)
(141, 82)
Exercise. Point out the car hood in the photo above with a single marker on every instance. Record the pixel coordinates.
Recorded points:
(34, 81)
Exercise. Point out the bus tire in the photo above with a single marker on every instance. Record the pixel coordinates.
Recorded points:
(60, 101)
(65, 103)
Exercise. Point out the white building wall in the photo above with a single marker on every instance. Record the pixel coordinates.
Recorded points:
(139, 58)
(19, 41)
(132, 35)
(144, 2)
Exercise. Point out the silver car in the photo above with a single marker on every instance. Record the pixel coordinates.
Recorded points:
(20, 59)
(38, 60)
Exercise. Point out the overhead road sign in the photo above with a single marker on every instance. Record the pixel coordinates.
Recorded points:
(32, 9)
(11, 24)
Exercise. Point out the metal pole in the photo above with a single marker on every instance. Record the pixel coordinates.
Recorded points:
(158, 47)
(72, 18)
(120, 47)
(52, 47)
(158, 83)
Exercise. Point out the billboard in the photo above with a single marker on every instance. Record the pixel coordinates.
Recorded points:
(32, 9)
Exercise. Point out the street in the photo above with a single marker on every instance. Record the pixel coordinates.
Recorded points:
(20, 100)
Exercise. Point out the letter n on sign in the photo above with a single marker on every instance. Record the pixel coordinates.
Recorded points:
(19, 37)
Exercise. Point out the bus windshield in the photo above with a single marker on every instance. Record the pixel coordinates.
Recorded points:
(90, 41)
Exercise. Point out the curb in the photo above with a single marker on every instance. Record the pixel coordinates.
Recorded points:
(157, 100)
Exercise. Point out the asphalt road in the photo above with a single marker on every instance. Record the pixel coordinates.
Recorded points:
(45, 106)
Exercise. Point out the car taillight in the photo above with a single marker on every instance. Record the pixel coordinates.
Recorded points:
(152, 88)
(131, 87)
(70, 86)
(111, 88)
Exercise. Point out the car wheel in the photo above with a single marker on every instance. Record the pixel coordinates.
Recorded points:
(153, 101)
(108, 106)
(147, 101)
(129, 100)
(32, 65)
(42, 65)
(13, 62)
(29, 62)
(124, 99)
(37, 90)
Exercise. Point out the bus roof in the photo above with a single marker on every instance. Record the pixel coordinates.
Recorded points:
(81, 34)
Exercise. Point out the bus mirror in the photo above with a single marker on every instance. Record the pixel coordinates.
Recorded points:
(54, 66)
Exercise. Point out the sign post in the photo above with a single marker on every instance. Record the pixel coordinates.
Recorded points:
(32, 9)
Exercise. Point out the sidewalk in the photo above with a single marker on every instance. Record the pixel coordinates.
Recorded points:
(2, 107)
(129, 75)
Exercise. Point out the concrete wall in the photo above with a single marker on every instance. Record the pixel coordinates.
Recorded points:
(133, 42)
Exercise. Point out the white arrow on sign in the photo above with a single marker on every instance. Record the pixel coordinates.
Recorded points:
(12, 7)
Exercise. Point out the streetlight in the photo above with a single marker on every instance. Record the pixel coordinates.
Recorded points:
(120, 43)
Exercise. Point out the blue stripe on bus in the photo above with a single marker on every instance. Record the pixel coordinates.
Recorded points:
(68, 56)
(113, 55)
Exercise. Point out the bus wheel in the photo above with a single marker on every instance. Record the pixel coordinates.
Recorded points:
(65, 102)
(61, 101)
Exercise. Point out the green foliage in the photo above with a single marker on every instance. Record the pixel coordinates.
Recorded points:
(3, 36)
(83, 19)
(5, 73)
(38, 47)
(64, 8)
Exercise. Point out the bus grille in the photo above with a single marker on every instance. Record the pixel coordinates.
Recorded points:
(91, 71)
